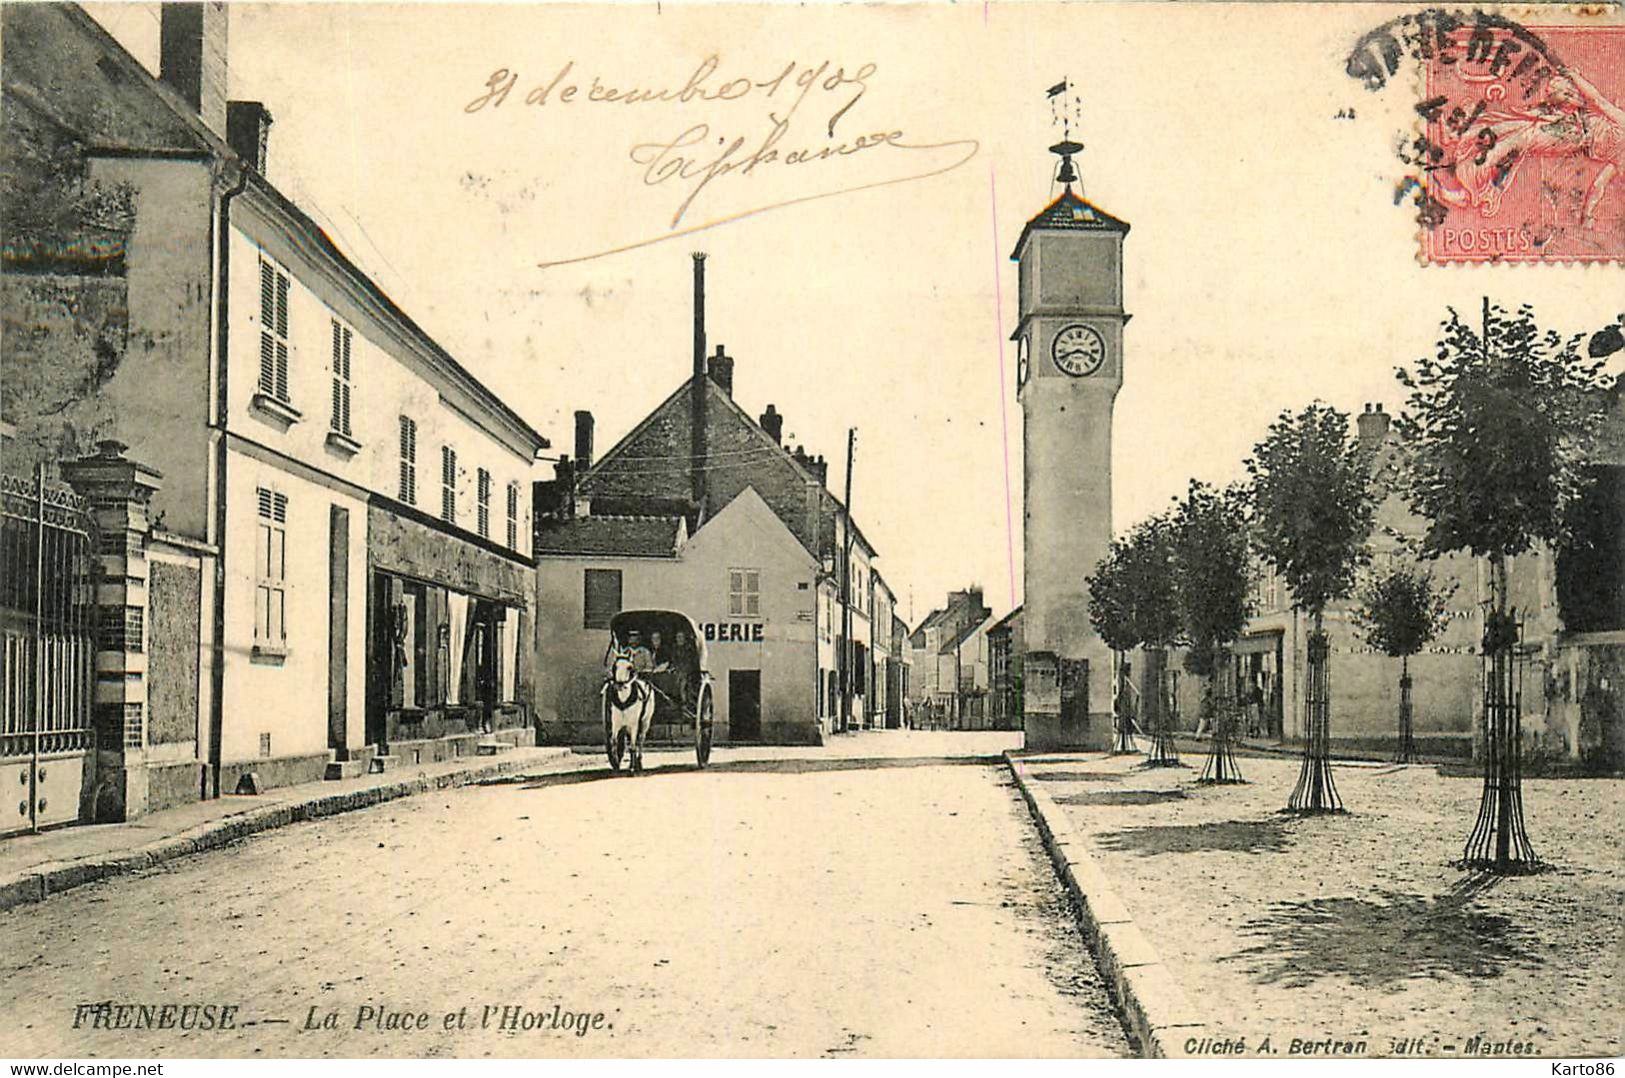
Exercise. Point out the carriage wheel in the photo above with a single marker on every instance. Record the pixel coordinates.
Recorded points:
(702, 730)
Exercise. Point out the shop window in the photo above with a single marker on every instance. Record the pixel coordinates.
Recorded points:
(271, 571)
(744, 593)
(601, 598)
(409, 461)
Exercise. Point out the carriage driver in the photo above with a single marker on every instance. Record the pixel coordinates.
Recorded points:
(643, 658)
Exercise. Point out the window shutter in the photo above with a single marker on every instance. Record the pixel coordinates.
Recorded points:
(601, 599)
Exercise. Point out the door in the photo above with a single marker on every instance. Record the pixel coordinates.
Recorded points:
(386, 654)
(744, 705)
(338, 629)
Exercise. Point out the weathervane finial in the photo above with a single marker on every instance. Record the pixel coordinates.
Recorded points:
(1062, 115)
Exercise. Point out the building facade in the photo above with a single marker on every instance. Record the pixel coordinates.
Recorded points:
(699, 459)
(1571, 609)
(1004, 647)
(337, 511)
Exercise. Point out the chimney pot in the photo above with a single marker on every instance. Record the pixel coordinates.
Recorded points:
(773, 423)
(1373, 425)
(248, 129)
(722, 371)
(192, 58)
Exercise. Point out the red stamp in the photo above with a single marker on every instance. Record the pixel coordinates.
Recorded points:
(1526, 144)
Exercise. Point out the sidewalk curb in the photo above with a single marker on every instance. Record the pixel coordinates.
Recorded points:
(1152, 1003)
(42, 881)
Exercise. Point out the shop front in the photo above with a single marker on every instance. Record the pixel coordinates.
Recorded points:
(447, 661)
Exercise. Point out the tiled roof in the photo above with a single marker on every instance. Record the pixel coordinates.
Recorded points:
(1072, 213)
(977, 619)
(623, 536)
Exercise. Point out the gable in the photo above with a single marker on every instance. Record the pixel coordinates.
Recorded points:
(60, 62)
(652, 464)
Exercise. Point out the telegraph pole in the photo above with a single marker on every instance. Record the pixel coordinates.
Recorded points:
(846, 589)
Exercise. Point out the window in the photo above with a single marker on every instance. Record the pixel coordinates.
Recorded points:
(271, 571)
(744, 593)
(513, 516)
(409, 461)
(482, 512)
(448, 484)
(601, 598)
(273, 331)
(341, 377)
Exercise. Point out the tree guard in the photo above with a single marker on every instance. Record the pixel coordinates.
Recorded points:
(1406, 753)
(1220, 768)
(1160, 718)
(1499, 841)
(1315, 791)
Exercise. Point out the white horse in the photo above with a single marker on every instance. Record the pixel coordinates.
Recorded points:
(629, 707)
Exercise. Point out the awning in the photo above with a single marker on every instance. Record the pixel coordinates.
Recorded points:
(1261, 644)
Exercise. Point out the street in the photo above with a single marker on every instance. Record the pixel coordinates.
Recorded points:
(885, 895)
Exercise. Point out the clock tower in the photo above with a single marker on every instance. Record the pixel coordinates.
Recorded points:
(1069, 362)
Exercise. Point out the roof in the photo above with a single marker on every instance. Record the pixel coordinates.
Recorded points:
(358, 277)
(966, 631)
(716, 393)
(149, 119)
(613, 536)
(917, 637)
(1070, 213)
(1006, 623)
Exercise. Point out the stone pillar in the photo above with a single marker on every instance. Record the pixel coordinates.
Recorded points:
(117, 493)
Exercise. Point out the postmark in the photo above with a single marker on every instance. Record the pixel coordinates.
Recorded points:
(1519, 152)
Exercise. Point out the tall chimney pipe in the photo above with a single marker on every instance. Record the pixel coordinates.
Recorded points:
(697, 390)
(584, 425)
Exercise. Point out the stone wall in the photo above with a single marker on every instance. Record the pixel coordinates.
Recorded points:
(175, 595)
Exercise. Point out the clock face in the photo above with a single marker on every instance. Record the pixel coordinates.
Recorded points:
(1021, 362)
(1078, 350)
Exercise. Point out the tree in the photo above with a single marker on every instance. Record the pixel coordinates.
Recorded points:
(1312, 511)
(1210, 580)
(1497, 428)
(1132, 604)
(1400, 611)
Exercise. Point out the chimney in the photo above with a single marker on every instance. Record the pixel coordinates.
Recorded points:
(697, 390)
(248, 129)
(564, 487)
(583, 441)
(1373, 426)
(722, 371)
(773, 423)
(192, 58)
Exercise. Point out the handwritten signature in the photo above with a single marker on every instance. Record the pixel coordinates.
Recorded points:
(698, 157)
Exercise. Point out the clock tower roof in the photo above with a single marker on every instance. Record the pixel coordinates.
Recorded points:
(1070, 213)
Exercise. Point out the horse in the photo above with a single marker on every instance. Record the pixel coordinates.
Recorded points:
(629, 707)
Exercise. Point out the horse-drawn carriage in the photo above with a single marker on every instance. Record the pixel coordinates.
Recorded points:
(654, 675)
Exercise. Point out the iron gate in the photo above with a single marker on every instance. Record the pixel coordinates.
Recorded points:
(47, 652)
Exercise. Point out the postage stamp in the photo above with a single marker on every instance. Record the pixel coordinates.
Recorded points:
(1525, 131)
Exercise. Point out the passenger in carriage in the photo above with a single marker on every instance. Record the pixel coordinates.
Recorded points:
(643, 658)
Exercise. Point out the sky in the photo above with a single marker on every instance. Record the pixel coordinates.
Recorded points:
(1267, 265)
